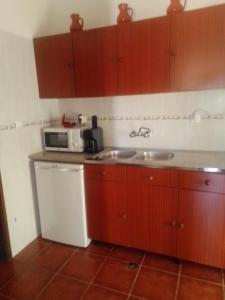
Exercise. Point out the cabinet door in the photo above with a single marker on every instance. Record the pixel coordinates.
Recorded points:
(143, 59)
(198, 49)
(95, 65)
(151, 212)
(107, 211)
(201, 237)
(54, 63)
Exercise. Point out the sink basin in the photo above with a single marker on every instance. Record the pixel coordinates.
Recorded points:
(155, 155)
(116, 155)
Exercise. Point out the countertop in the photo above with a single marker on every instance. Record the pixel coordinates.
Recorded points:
(63, 157)
(207, 161)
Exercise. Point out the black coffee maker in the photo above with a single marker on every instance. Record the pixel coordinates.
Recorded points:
(93, 138)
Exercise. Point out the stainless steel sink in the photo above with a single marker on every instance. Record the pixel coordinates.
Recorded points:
(155, 155)
(115, 155)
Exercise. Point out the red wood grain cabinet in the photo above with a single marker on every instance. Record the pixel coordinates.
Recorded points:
(179, 53)
(54, 64)
(201, 227)
(143, 56)
(198, 49)
(201, 218)
(152, 209)
(175, 213)
(95, 62)
(106, 204)
(127, 59)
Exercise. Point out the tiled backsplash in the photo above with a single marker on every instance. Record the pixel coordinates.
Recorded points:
(191, 120)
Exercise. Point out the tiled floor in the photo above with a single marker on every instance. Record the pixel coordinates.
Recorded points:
(50, 271)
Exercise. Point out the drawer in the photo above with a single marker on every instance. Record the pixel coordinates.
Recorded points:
(105, 172)
(162, 177)
(201, 181)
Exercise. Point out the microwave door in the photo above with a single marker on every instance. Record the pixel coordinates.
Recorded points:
(56, 140)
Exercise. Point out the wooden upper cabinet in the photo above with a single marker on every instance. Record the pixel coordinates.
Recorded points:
(143, 59)
(198, 49)
(95, 63)
(54, 63)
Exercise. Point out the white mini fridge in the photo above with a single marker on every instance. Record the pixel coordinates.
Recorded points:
(61, 199)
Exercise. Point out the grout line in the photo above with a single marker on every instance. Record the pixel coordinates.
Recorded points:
(178, 282)
(203, 280)
(110, 289)
(98, 271)
(161, 270)
(135, 279)
(55, 274)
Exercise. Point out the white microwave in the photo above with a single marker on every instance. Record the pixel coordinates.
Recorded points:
(63, 139)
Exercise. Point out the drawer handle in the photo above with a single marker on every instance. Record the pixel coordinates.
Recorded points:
(151, 178)
(207, 182)
(103, 173)
(124, 216)
(180, 225)
(173, 223)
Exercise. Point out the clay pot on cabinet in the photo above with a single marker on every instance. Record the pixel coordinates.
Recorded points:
(125, 14)
(174, 7)
(77, 23)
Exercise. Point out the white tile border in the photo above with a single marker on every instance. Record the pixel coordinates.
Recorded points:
(55, 121)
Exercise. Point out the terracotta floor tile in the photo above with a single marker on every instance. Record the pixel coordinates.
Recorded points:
(53, 257)
(127, 254)
(155, 285)
(63, 289)
(26, 285)
(8, 269)
(98, 293)
(191, 289)
(31, 250)
(116, 275)
(161, 262)
(202, 272)
(83, 265)
(99, 248)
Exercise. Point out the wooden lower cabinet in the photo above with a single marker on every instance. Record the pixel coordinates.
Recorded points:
(152, 212)
(201, 229)
(159, 210)
(107, 211)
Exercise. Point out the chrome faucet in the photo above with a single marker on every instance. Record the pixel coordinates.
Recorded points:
(142, 131)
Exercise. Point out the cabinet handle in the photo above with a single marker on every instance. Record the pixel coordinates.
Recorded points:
(173, 224)
(207, 181)
(151, 178)
(172, 52)
(114, 60)
(103, 173)
(180, 225)
(119, 59)
(70, 65)
(124, 216)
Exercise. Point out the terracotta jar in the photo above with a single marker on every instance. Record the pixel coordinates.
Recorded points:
(175, 6)
(126, 13)
(77, 23)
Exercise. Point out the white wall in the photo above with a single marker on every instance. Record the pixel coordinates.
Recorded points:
(97, 13)
(19, 104)
(169, 116)
(24, 17)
